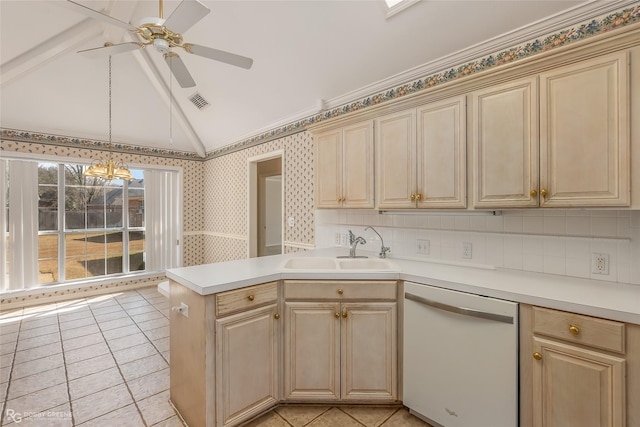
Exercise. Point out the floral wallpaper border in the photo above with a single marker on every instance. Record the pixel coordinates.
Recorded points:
(92, 144)
(578, 32)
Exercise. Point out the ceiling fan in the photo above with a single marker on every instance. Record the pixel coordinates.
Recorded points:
(165, 35)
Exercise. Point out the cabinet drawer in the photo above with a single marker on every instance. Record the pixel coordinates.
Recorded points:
(589, 331)
(340, 290)
(244, 298)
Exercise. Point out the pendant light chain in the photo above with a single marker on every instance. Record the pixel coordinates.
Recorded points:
(110, 145)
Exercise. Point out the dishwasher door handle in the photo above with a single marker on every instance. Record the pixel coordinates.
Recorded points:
(459, 310)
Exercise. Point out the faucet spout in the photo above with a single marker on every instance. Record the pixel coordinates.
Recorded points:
(384, 249)
(354, 243)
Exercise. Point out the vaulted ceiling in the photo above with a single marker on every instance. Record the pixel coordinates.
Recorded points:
(306, 53)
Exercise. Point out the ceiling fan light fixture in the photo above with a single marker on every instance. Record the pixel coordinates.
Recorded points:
(161, 45)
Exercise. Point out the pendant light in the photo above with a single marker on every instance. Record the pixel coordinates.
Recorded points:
(109, 170)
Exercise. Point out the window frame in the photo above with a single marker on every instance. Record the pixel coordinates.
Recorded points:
(62, 231)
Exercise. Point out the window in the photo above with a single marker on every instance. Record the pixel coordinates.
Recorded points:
(397, 6)
(84, 228)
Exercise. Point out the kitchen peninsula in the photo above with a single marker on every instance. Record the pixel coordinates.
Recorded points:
(234, 323)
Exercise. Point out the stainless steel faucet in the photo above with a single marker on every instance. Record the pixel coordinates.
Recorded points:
(353, 240)
(384, 249)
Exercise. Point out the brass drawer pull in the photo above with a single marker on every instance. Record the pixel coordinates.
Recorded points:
(276, 316)
(345, 314)
(537, 356)
(340, 291)
(337, 315)
(574, 329)
(534, 193)
(543, 192)
(418, 196)
(412, 197)
(251, 297)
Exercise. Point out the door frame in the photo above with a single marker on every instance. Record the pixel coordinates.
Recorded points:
(252, 199)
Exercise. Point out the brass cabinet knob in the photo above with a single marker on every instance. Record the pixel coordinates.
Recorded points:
(533, 192)
(344, 314)
(337, 315)
(251, 297)
(276, 316)
(412, 197)
(543, 192)
(418, 197)
(537, 356)
(574, 329)
(340, 291)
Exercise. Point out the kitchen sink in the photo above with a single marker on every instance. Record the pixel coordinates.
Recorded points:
(328, 264)
(365, 264)
(310, 264)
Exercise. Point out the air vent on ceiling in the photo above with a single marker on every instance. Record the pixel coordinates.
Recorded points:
(198, 101)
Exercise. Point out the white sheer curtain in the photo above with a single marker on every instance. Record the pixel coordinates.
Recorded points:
(23, 225)
(163, 235)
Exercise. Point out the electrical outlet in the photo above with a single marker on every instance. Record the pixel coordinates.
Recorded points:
(466, 250)
(343, 239)
(336, 239)
(600, 263)
(423, 246)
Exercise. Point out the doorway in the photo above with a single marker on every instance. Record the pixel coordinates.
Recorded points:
(266, 205)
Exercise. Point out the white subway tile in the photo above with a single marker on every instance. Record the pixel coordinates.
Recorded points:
(447, 222)
(533, 263)
(555, 225)
(532, 224)
(554, 212)
(462, 222)
(578, 226)
(554, 265)
(554, 247)
(604, 226)
(512, 244)
(512, 260)
(578, 268)
(532, 245)
(513, 224)
(635, 219)
(578, 249)
(623, 227)
(433, 221)
(495, 223)
(624, 272)
(495, 250)
(478, 223)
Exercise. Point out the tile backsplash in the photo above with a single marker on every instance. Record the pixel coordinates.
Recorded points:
(554, 241)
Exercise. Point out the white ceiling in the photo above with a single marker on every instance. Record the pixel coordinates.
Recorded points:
(303, 52)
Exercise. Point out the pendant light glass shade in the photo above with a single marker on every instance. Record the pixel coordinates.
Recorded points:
(109, 170)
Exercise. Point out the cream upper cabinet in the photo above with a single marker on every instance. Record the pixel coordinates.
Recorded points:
(584, 134)
(421, 157)
(505, 145)
(340, 345)
(581, 155)
(344, 167)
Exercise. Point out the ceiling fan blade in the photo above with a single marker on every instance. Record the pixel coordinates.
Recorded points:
(179, 70)
(186, 15)
(219, 55)
(100, 16)
(112, 49)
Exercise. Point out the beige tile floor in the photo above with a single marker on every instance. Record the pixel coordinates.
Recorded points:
(104, 361)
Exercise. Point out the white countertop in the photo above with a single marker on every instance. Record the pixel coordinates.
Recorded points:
(616, 301)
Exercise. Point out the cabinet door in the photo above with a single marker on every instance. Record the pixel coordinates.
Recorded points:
(505, 145)
(577, 387)
(312, 351)
(584, 139)
(247, 358)
(328, 191)
(369, 348)
(441, 153)
(395, 138)
(357, 166)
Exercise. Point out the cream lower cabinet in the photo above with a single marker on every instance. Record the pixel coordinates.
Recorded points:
(344, 167)
(225, 354)
(578, 155)
(340, 341)
(578, 370)
(421, 157)
(247, 358)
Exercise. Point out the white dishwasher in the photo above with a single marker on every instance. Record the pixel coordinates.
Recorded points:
(460, 358)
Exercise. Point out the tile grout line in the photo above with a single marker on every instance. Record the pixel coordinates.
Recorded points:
(351, 416)
(64, 363)
(13, 362)
(144, 422)
(390, 416)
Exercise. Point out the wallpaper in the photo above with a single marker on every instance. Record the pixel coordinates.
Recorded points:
(225, 198)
